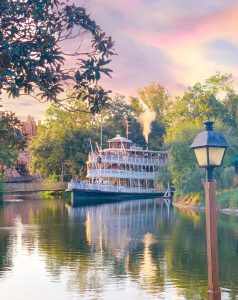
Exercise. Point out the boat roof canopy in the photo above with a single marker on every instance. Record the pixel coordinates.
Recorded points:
(119, 138)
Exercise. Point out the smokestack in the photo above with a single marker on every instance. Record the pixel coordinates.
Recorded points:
(128, 128)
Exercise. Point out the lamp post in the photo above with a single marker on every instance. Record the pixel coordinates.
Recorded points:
(209, 147)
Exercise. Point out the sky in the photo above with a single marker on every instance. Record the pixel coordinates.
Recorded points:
(175, 43)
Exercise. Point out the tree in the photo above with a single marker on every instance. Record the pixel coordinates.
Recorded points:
(231, 104)
(157, 99)
(137, 106)
(64, 138)
(201, 101)
(156, 135)
(52, 148)
(32, 58)
(12, 140)
(182, 163)
(115, 117)
(187, 176)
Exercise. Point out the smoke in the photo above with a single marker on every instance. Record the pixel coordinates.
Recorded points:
(146, 118)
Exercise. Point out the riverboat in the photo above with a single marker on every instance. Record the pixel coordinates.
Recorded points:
(121, 171)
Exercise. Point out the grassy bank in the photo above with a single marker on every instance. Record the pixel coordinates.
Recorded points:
(191, 200)
(228, 198)
(225, 199)
(55, 194)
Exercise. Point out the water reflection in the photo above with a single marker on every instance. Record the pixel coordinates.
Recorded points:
(136, 249)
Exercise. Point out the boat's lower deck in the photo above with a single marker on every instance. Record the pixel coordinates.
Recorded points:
(84, 197)
(82, 186)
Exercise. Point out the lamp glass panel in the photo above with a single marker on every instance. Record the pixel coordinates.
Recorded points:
(201, 155)
(215, 156)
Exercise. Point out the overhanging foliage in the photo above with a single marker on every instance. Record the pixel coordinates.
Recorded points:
(32, 53)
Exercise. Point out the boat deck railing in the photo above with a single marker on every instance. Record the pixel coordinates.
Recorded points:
(113, 158)
(120, 174)
(108, 188)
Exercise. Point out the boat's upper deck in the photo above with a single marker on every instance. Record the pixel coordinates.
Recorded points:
(121, 150)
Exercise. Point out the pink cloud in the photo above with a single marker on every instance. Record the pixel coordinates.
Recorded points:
(190, 30)
(157, 41)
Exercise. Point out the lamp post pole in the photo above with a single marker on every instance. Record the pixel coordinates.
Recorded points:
(214, 292)
(209, 147)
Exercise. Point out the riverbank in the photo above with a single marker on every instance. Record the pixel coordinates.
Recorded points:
(227, 201)
(188, 201)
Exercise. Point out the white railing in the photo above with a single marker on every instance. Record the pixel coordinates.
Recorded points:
(108, 188)
(120, 174)
(110, 158)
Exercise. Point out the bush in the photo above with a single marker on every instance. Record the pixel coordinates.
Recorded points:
(163, 176)
(52, 178)
(226, 178)
(191, 183)
(228, 199)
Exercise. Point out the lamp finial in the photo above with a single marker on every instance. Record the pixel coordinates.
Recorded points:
(209, 125)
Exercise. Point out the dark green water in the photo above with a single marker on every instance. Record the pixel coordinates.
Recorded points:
(128, 250)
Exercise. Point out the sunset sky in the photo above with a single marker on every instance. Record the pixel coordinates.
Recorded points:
(175, 43)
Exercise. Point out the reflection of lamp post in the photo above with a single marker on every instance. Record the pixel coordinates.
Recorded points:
(209, 147)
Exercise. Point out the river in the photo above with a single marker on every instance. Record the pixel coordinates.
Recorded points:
(137, 249)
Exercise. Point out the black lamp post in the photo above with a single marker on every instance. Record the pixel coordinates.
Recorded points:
(209, 147)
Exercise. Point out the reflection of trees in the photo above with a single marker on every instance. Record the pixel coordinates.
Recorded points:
(228, 256)
(5, 246)
(186, 257)
(5, 252)
(128, 230)
(116, 240)
(146, 259)
(64, 243)
(100, 242)
(139, 240)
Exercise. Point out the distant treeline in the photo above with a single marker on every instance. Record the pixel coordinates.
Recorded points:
(158, 120)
